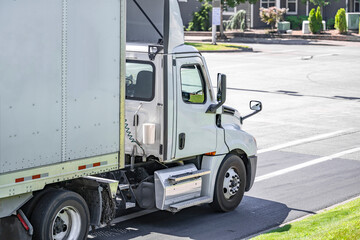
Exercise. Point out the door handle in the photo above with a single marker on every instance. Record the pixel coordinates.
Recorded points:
(181, 141)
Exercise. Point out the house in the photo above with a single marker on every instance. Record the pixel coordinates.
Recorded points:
(295, 7)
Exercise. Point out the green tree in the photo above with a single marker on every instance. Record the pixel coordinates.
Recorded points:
(340, 21)
(224, 5)
(237, 21)
(201, 19)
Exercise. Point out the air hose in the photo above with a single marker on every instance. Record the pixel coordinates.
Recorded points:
(130, 136)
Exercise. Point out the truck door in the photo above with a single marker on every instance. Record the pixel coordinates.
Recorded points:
(195, 129)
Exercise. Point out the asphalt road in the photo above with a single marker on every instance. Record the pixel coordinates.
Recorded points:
(308, 135)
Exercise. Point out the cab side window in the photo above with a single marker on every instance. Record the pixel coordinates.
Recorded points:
(140, 80)
(192, 84)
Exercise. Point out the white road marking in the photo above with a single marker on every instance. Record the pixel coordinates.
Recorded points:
(327, 55)
(304, 140)
(306, 164)
(133, 215)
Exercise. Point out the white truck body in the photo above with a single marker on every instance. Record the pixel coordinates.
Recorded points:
(101, 102)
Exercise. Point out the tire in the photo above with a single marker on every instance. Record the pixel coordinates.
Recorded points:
(29, 207)
(61, 215)
(230, 184)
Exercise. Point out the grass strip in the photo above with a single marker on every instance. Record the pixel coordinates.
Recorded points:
(217, 47)
(341, 222)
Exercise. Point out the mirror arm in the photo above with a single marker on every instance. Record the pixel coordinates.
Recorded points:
(213, 107)
(249, 115)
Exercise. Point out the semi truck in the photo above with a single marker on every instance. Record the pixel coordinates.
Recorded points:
(103, 108)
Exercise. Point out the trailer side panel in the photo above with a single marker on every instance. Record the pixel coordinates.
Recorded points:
(30, 77)
(59, 81)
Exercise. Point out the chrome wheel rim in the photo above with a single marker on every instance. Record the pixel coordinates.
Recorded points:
(231, 184)
(66, 224)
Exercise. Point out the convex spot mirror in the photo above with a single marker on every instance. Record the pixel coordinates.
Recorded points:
(255, 105)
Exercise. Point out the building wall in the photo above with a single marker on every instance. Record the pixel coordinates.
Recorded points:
(188, 8)
(302, 8)
(331, 10)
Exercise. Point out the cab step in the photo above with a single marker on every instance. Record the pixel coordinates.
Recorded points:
(189, 203)
(130, 205)
(189, 175)
(124, 186)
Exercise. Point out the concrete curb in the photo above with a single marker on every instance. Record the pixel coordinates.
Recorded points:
(231, 35)
(301, 218)
(228, 51)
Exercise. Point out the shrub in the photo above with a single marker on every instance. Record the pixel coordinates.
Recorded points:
(340, 21)
(330, 23)
(201, 19)
(312, 21)
(315, 21)
(237, 21)
(296, 21)
(319, 19)
(272, 15)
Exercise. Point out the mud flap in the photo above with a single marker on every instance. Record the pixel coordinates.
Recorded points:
(12, 229)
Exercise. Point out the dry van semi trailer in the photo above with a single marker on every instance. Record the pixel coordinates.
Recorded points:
(104, 108)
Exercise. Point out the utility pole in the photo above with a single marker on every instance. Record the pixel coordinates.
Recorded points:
(216, 11)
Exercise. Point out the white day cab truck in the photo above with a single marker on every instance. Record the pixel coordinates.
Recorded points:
(103, 108)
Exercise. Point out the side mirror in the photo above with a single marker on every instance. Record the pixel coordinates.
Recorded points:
(256, 106)
(220, 95)
(221, 88)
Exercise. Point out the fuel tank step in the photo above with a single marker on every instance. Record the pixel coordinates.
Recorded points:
(124, 186)
(188, 175)
(189, 203)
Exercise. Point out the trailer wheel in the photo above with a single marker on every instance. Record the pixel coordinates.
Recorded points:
(230, 184)
(61, 215)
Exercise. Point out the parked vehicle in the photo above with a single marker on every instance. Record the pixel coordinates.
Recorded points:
(94, 120)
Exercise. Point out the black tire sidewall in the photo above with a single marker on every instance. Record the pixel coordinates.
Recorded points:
(42, 217)
(220, 202)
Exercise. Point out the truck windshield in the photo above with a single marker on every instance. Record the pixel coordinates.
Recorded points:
(140, 79)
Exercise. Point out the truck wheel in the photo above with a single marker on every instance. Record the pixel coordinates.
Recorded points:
(61, 215)
(230, 184)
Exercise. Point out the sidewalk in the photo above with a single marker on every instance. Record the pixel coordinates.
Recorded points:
(262, 36)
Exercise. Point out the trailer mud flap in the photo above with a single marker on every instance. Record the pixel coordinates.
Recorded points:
(12, 229)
